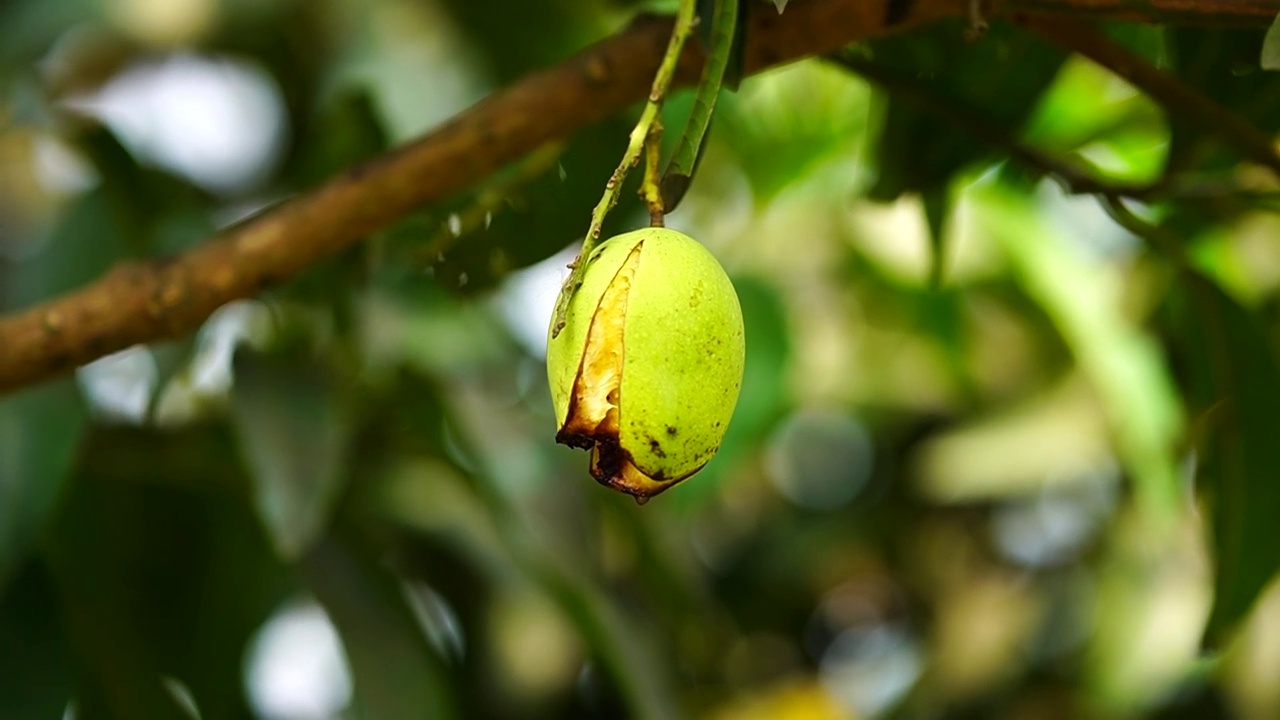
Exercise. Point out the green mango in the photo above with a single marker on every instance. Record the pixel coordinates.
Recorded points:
(646, 371)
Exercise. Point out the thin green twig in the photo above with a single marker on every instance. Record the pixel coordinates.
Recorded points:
(661, 81)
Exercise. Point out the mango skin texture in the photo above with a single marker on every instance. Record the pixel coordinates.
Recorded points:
(665, 360)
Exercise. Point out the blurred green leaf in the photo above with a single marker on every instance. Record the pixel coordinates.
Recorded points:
(121, 552)
(152, 211)
(40, 429)
(1087, 109)
(1233, 380)
(157, 534)
(86, 240)
(396, 672)
(1270, 56)
(35, 681)
(1090, 111)
(1121, 361)
(628, 654)
(132, 213)
(349, 131)
(1002, 74)
(31, 25)
(294, 432)
(783, 124)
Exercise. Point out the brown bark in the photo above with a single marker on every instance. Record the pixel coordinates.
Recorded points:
(141, 302)
(1198, 12)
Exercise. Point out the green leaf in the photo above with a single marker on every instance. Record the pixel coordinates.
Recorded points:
(724, 32)
(98, 553)
(736, 67)
(294, 433)
(1121, 361)
(34, 678)
(1234, 388)
(155, 535)
(39, 430)
(1270, 59)
(396, 672)
(783, 125)
(1080, 111)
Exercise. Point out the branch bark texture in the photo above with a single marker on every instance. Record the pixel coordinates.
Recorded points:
(142, 302)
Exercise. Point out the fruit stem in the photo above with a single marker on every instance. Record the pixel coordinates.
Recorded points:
(648, 118)
(651, 186)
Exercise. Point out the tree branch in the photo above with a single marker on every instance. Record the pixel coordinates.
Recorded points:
(141, 302)
(1197, 12)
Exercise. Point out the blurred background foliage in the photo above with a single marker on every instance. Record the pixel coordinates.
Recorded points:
(999, 452)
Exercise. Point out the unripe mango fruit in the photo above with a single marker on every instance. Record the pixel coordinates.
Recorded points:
(647, 368)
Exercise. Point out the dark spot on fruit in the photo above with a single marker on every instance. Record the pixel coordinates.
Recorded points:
(609, 462)
(695, 299)
(575, 440)
(671, 430)
(656, 448)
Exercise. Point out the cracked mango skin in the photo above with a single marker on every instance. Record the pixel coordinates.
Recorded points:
(646, 371)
